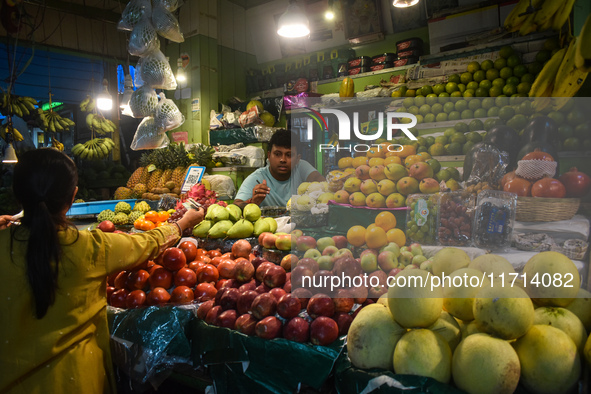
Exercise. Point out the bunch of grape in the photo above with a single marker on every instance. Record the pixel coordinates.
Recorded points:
(176, 216)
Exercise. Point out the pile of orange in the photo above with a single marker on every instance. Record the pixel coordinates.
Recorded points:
(377, 234)
(151, 219)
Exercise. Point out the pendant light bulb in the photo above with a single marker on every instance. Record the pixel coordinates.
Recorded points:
(127, 91)
(10, 155)
(293, 23)
(404, 3)
(104, 101)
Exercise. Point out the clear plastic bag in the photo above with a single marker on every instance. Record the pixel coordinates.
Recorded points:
(170, 5)
(147, 136)
(456, 213)
(133, 13)
(485, 163)
(222, 185)
(167, 116)
(143, 102)
(166, 24)
(154, 71)
(421, 218)
(143, 38)
(494, 220)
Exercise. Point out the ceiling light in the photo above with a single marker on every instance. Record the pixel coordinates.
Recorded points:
(329, 14)
(127, 91)
(10, 155)
(104, 101)
(404, 3)
(293, 23)
(180, 71)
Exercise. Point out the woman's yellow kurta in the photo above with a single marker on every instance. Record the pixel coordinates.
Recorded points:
(67, 351)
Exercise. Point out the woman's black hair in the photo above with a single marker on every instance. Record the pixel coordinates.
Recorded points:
(44, 183)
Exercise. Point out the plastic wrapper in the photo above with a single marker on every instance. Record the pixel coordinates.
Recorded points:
(485, 163)
(232, 136)
(422, 218)
(215, 120)
(167, 202)
(494, 220)
(143, 102)
(167, 116)
(143, 38)
(536, 169)
(166, 24)
(133, 13)
(223, 185)
(250, 117)
(230, 158)
(229, 148)
(456, 214)
(147, 136)
(170, 5)
(147, 342)
(155, 71)
(255, 157)
(241, 364)
(264, 133)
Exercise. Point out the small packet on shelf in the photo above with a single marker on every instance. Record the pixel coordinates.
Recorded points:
(456, 213)
(421, 218)
(494, 220)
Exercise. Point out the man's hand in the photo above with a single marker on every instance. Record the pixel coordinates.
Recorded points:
(259, 192)
(5, 221)
(191, 218)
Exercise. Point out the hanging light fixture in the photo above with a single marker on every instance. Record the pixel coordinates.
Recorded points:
(404, 3)
(329, 14)
(104, 101)
(127, 91)
(180, 71)
(10, 154)
(293, 23)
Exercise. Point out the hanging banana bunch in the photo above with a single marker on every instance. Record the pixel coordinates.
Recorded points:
(88, 104)
(100, 124)
(56, 144)
(583, 48)
(548, 14)
(9, 129)
(95, 149)
(52, 121)
(17, 105)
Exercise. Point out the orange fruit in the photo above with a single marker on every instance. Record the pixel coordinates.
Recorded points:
(370, 227)
(376, 237)
(163, 216)
(356, 235)
(392, 159)
(138, 224)
(359, 161)
(397, 236)
(152, 216)
(147, 225)
(345, 162)
(386, 220)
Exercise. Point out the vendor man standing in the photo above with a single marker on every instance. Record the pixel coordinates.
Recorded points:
(274, 184)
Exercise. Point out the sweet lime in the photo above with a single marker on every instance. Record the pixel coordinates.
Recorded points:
(468, 93)
(481, 92)
(535, 67)
(449, 132)
(500, 63)
(451, 87)
(408, 102)
(528, 78)
(438, 88)
(462, 87)
(436, 108)
(457, 93)
(420, 100)
(519, 70)
(449, 107)
(543, 56)
(424, 109)
(509, 90)
(413, 110)
(513, 61)
(498, 82)
(476, 125)
(473, 67)
(485, 83)
(487, 65)
(431, 99)
(443, 97)
(466, 77)
(426, 90)
(493, 111)
(441, 117)
(506, 73)
(411, 93)
(479, 76)
(454, 78)
(506, 51)
(495, 91)
(461, 105)
(513, 81)
(492, 74)
(429, 118)
(506, 113)
(480, 113)
(474, 104)
(523, 88)
(488, 103)
(517, 122)
(454, 115)
(501, 101)
(472, 85)
(467, 114)
(461, 127)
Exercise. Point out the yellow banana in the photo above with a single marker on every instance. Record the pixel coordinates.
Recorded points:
(549, 8)
(513, 21)
(16, 134)
(583, 49)
(546, 77)
(528, 26)
(91, 105)
(562, 15)
(16, 110)
(569, 78)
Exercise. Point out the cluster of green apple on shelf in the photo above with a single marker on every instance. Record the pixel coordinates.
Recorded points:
(312, 197)
(506, 76)
(480, 324)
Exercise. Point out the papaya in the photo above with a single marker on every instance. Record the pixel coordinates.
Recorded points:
(347, 88)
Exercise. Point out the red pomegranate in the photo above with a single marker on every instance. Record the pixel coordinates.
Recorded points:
(519, 186)
(577, 183)
(538, 155)
(507, 177)
(548, 187)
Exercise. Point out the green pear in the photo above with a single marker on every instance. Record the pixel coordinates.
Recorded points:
(252, 212)
(220, 229)
(202, 229)
(272, 224)
(234, 211)
(261, 226)
(240, 229)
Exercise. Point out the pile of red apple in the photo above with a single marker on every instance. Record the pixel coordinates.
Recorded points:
(239, 291)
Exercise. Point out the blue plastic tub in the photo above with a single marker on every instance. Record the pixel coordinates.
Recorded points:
(95, 207)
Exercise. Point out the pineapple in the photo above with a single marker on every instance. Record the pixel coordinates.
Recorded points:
(182, 162)
(156, 159)
(140, 175)
(123, 193)
(168, 165)
(139, 189)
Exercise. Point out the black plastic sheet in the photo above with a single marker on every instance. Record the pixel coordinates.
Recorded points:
(246, 135)
(243, 364)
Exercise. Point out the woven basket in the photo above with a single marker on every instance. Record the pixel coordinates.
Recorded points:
(538, 209)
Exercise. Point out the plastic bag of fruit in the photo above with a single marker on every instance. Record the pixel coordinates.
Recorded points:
(143, 38)
(143, 102)
(154, 71)
(133, 13)
(166, 24)
(147, 136)
(167, 116)
(485, 163)
(170, 5)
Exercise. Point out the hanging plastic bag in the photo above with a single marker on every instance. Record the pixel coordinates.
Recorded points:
(154, 71)
(133, 13)
(167, 116)
(170, 5)
(166, 24)
(143, 38)
(143, 102)
(147, 136)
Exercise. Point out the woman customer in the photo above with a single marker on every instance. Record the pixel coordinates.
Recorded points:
(54, 336)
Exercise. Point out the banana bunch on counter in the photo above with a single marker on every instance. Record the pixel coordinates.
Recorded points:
(52, 121)
(100, 124)
(17, 105)
(97, 148)
(6, 129)
(547, 14)
(88, 104)
(57, 145)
